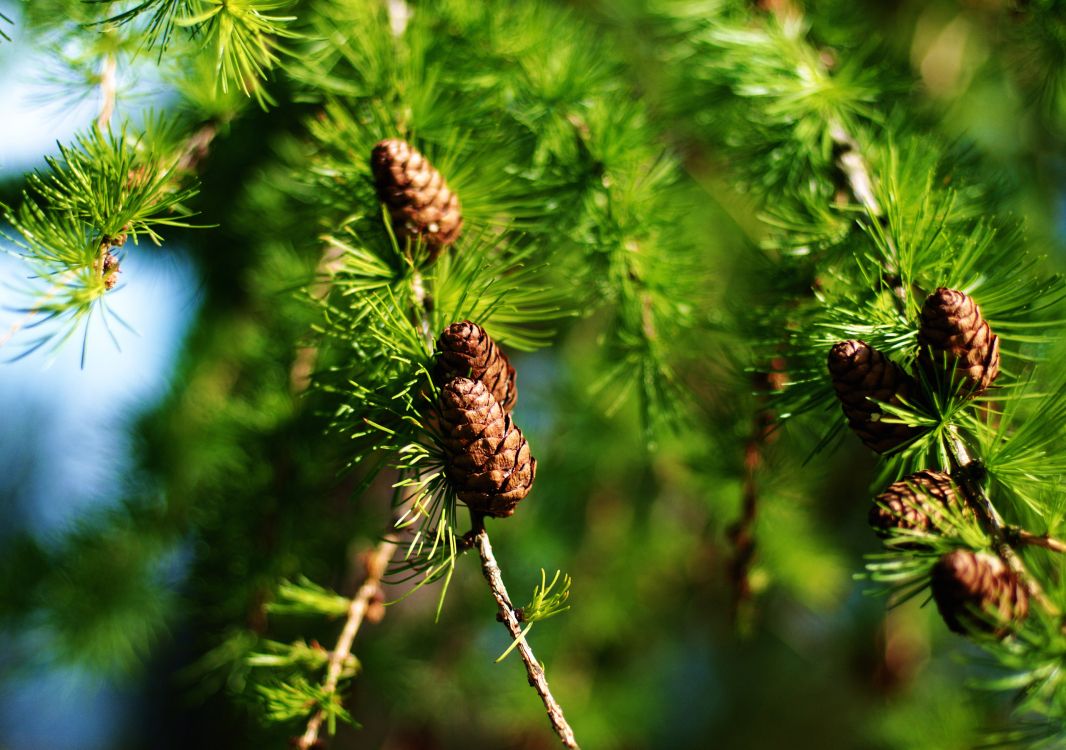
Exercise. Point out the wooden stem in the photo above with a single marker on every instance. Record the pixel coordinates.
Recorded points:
(537, 679)
(376, 565)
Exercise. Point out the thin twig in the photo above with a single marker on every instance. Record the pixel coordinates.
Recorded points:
(968, 474)
(418, 289)
(1021, 536)
(196, 147)
(537, 678)
(108, 90)
(856, 171)
(303, 365)
(399, 14)
(376, 565)
(742, 532)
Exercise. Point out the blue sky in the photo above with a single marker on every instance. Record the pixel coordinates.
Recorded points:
(66, 417)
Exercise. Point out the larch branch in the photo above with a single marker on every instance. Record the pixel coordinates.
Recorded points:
(108, 90)
(1021, 536)
(376, 565)
(537, 678)
(967, 475)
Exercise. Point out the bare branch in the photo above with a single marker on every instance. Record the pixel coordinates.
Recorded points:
(108, 90)
(376, 565)
(537, 678)
(1021, 536)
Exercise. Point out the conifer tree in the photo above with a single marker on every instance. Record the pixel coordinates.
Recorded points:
(614, 290)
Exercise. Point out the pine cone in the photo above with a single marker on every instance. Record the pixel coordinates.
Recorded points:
(859, 373)
(466, 351)
(419, 201)
(977, 593)
(953, 332)
(915, 503)
(487, 459)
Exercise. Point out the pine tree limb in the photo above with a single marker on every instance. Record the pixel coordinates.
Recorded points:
(376, 565)
(196, 147)
(108, 90)
(479, 537)
(850, 160)
(853, 165)
(742, 532)
(968, 474)
(1027, 538)
(303, 365)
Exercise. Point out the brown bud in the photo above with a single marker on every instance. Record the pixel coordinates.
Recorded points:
(487, 459)
(419, 201)
(466, 351)
(916, 503)
(977, 593)
(861, 373)
(109, 270)
(954, 334)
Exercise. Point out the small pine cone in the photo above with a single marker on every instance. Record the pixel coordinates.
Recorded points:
(915, 503)
(859, 373)
(977, 593)
(419, 201)
(466, 351)
(487, 458)
(953, 332)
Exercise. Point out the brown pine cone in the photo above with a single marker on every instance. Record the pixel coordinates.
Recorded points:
(860, 373)
(977, 593)
(487, 458)
(419, 201)
(466, 351)
(954, 333)
(915, 503)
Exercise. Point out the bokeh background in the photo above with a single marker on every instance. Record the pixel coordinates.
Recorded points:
(110, 596)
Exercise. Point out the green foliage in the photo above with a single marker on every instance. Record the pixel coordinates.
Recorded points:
(104, 190)
(246, 36)
(295, 699)
(608, 161)
(543, 605)
(304, 597)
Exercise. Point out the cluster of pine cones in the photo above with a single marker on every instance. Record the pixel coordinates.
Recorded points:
(953, 337)
(487, 459)
(975, 592)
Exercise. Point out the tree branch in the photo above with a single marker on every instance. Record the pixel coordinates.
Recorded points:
(537, 679)
(376, 565)
(108, 90)
(968, 474)
(742, 532)
(1021, 536)
(856, 171)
